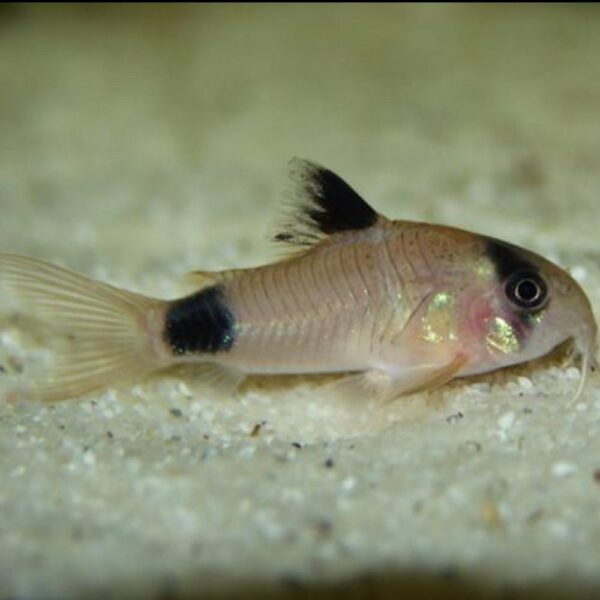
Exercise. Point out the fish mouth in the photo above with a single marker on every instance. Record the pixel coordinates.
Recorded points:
(572, 349)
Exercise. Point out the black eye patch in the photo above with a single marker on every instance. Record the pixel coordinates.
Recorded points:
(507, 259)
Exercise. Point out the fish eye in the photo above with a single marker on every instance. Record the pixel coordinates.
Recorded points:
(527, 290)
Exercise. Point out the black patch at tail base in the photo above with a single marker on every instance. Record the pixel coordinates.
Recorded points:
(200, 323)
(325, 204)
(507, 259)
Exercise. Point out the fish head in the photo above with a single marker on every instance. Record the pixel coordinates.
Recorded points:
(524, 308)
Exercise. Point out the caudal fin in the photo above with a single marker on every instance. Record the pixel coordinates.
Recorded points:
(105, 330)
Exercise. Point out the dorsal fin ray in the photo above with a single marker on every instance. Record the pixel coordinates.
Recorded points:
(323, 204)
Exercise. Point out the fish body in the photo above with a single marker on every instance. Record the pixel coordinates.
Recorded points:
(404, 306)
(356, 301)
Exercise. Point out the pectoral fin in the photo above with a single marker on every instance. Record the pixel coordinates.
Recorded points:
(428, 378)
(384, 386)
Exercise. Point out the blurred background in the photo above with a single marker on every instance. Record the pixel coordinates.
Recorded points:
(141, 141)
(145, 128)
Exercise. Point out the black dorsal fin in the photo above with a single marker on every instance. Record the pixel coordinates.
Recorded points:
(323, 204)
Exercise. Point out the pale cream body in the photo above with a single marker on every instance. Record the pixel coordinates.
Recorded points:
(357, 301)
(414, 301)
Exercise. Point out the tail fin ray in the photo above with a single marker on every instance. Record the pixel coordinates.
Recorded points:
(104, 328)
